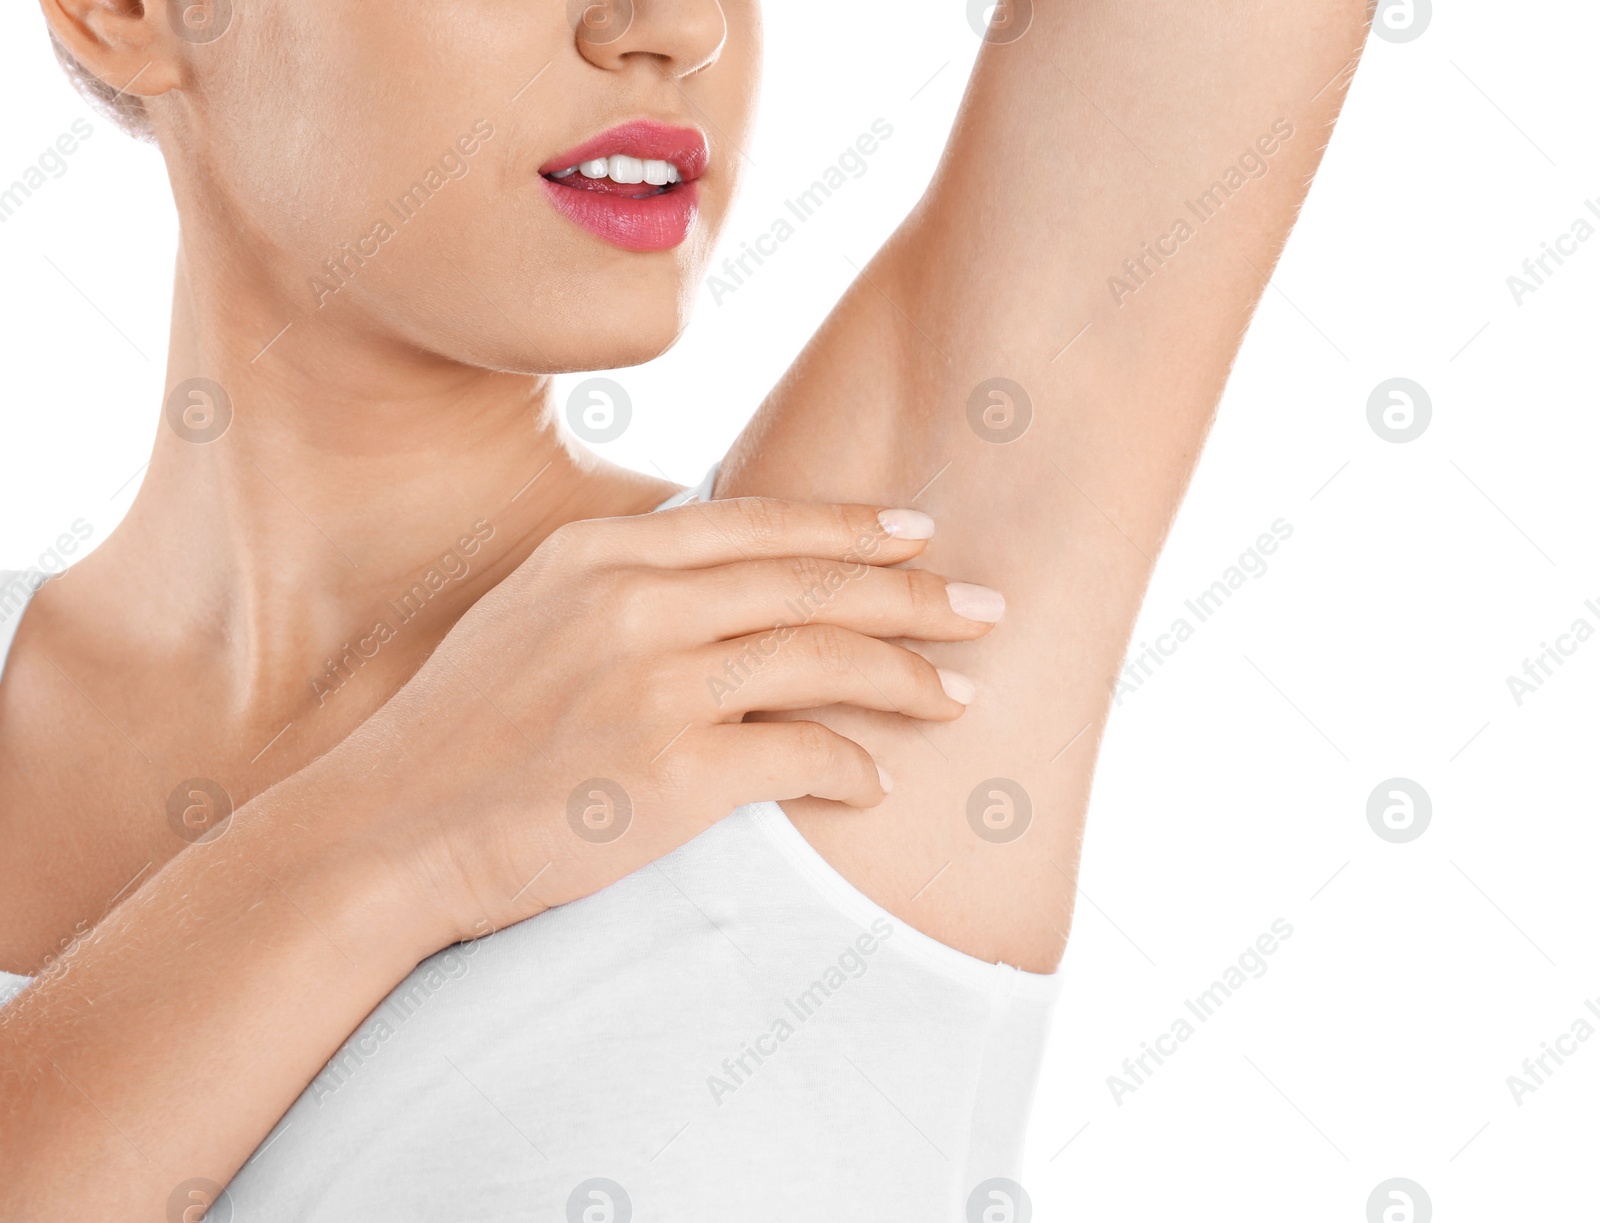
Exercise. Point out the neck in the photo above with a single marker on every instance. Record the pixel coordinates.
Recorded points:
(355, 479)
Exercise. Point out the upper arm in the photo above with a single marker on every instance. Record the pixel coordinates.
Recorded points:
(1119, 183)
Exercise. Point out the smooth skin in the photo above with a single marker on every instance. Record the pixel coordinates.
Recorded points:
(447, 815)
(1108, 115)
(414, 805)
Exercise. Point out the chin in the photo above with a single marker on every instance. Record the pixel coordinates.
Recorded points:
(607, 331)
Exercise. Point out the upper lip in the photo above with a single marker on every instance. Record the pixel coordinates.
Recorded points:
(684, 147)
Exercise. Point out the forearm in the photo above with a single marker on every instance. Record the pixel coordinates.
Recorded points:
(167, 1044)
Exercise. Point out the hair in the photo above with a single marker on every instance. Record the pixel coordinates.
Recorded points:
(123, 109)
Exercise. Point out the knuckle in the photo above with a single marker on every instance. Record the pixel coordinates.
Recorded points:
(919, 673)
(815, 742)
(923, 592)
(656, 685)
(573, 543)
(901, 674)
(637, 599)
(847, 525)
(682, 769)
(832, 649)
(805, 572)
(764, 519)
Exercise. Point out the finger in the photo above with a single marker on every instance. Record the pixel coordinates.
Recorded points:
(781, 760)
(817, 665)
(705, 533)
(751, 596)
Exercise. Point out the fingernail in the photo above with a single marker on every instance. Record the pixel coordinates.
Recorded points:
(957, 686)
(906, 524)
(975, 602)
(884, 779)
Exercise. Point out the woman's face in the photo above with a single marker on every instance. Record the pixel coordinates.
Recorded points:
(405, 169)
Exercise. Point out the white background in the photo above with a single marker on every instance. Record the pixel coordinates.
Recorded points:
(1234, 784)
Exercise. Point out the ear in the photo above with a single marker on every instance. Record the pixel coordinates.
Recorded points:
(128, 44)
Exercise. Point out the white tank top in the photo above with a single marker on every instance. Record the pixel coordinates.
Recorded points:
(734, 1032)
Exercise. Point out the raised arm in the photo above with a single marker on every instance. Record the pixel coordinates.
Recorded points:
(1036, 356)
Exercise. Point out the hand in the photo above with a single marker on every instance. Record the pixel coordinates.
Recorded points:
(584, 718)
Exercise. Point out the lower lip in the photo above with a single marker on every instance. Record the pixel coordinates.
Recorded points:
(655, 223)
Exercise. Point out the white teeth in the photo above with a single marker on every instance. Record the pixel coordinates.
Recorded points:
(620, 169)
(626, 169)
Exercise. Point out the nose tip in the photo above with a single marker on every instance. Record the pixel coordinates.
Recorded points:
(683, 36)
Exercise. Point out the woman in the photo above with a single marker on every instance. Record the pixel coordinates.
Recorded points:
(378, 663)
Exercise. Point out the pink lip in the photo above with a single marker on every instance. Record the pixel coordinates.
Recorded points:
(656, 222)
